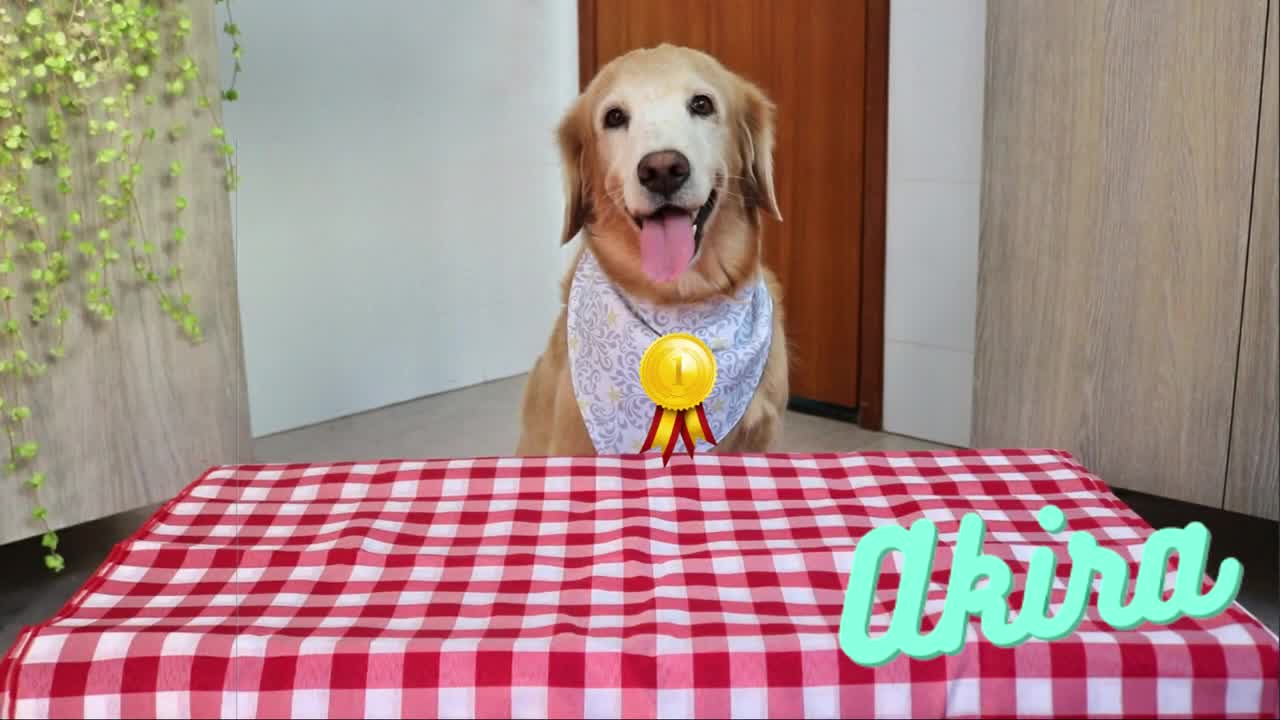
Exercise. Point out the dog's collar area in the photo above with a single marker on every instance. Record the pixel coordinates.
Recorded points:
(605, 324)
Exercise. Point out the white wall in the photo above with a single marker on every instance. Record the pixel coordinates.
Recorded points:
(936, 65)
(399, 214)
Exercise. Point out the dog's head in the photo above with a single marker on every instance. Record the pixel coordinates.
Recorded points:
(668, 162)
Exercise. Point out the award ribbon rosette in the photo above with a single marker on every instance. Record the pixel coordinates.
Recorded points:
(677, 372)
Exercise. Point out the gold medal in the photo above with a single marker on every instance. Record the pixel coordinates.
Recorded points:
(677, 372)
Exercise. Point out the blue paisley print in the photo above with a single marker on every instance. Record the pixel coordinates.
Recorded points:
(609, 331)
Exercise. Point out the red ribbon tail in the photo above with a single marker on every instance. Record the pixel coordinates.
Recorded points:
(706, 426)
(653, 429)
(688, 439)
(677, 431)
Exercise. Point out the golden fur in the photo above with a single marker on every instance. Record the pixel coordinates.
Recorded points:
(730, 253)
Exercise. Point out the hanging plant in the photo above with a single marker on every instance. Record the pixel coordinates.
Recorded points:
(78, 80)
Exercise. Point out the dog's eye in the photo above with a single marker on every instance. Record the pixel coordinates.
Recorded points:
(701, 105)
(615, 118)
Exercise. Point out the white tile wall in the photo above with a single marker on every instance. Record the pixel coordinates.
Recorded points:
(936, 61)
(928, 391)
(936, 66)
(932, 263)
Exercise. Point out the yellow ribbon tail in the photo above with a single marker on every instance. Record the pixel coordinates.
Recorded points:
(665, 426)
(694, 423)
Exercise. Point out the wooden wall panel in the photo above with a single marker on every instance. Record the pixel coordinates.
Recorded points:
(135, 411)
(1119, 148)
(1253, 469)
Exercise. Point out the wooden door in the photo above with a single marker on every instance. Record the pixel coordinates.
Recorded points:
(824, 62)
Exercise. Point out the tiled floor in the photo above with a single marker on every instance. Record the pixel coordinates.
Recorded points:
(482, 420)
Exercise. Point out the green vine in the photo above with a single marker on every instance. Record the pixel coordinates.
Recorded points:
(78, 79)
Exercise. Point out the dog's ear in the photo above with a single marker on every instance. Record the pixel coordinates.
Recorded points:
(572, 135)
(755, 132)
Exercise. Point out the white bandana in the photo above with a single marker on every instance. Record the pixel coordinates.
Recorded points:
(609, 331)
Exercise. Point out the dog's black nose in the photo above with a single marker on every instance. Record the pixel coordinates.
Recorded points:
(663, 172)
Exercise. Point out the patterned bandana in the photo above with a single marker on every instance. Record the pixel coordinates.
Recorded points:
(609, 330)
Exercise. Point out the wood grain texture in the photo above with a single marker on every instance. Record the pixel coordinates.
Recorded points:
(1118, 153)
(809, 57)
(1253, 468)
(135, 411)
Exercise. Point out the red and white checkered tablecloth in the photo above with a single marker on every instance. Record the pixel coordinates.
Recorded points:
(597, 587)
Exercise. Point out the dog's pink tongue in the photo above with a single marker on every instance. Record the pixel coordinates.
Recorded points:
(666, 245)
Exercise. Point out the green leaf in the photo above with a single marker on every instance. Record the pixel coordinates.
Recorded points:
(28, 450)
(40, 512)
(87, 249)
(35, 17)
(181, 203)
(74, 217)
(231, 95)
(179, 235)
(175, 169)
(142, 70)
(218, 133)
(36, 480)
(50, 540)
(54, 562)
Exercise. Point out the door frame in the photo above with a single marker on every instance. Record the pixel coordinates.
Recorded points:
(875, 168)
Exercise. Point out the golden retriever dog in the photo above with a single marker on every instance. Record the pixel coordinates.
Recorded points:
(668, 161)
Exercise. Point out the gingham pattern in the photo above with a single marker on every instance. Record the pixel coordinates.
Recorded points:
(596, 587)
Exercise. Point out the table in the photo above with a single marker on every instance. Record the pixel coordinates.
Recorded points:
(596, 587)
